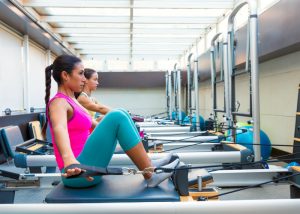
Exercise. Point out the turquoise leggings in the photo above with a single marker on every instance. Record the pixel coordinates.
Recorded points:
(101, 144)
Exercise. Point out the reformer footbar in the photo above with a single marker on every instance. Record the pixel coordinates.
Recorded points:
(89, 171)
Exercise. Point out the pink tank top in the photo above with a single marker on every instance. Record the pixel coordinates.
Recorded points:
(78, 128)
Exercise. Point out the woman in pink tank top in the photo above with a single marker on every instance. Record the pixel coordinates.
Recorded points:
(70, 127)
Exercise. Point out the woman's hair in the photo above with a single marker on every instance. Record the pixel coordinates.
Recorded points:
(88, 73)
(61, 63)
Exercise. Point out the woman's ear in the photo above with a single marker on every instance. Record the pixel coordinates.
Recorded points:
(64, 76)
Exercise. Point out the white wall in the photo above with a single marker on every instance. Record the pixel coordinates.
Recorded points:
(37, 64)
(137, 101)
(221, 27)
(11, 70)
(279, 81)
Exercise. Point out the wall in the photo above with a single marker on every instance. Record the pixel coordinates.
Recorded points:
(37, 64)
(12, 72)
(279, 80)
(137, 101)
(11, 87)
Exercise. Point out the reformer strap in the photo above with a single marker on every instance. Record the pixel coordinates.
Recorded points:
(89, 171)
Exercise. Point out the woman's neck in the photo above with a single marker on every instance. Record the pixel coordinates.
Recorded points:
(87, 91)
(66, 91)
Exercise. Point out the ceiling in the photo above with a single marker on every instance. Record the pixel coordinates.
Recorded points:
(129, 29)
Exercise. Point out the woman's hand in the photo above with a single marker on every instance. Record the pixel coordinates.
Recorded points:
(98, 119)
(75, 171)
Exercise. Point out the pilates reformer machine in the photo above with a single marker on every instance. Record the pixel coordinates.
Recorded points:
(110, 193)
(174, 122)
(238, 155)
(196, 140)
(254, 92)
(113, 196)
(179, 132)
(195, 136)
(160, 131)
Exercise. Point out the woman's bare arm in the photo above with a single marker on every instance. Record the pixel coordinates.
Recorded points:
(90, 105)
(94, 124)
(58, 112)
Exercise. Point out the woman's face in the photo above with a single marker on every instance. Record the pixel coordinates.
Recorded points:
(92, 83)
(76, 80)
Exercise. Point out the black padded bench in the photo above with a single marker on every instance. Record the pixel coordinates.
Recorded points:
(115, 188)
(124, 188)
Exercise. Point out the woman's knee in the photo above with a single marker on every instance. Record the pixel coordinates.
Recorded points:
(117, 114)
(121, 109)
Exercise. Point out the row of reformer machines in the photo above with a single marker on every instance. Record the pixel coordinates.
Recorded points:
(208, 158)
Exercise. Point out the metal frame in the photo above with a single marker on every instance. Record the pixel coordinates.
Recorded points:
(168, 97)
(123, 160)
(275, 206)
(228, 58)
(176, 74)
(196, 89)
(214, 75)
(179, 119)
(170, 94)
(189, 87)
(246, 177)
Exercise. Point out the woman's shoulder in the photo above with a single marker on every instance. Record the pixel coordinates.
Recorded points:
(83, 94)
(57, 101)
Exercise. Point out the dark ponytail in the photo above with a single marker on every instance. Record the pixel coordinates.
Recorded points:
(62, 63)
(48, 72)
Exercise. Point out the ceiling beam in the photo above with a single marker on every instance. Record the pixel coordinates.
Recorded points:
(125, 57)
(126, 51)
(126, 19)
(127, 25)
(134, 50)
(121, 40)
(92, 30)
(127, 31)
(126, 46)
(135, 44)
(147, 4)
(95, 40)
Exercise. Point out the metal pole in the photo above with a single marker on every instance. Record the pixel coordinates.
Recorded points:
(254, 67)
(175, 91)
(170, 94)
(26, 94)
(213, 72)
(196, 83)
(167, 92)
(255, 78)
(189, 100)
(179, 96)
(226, 83)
